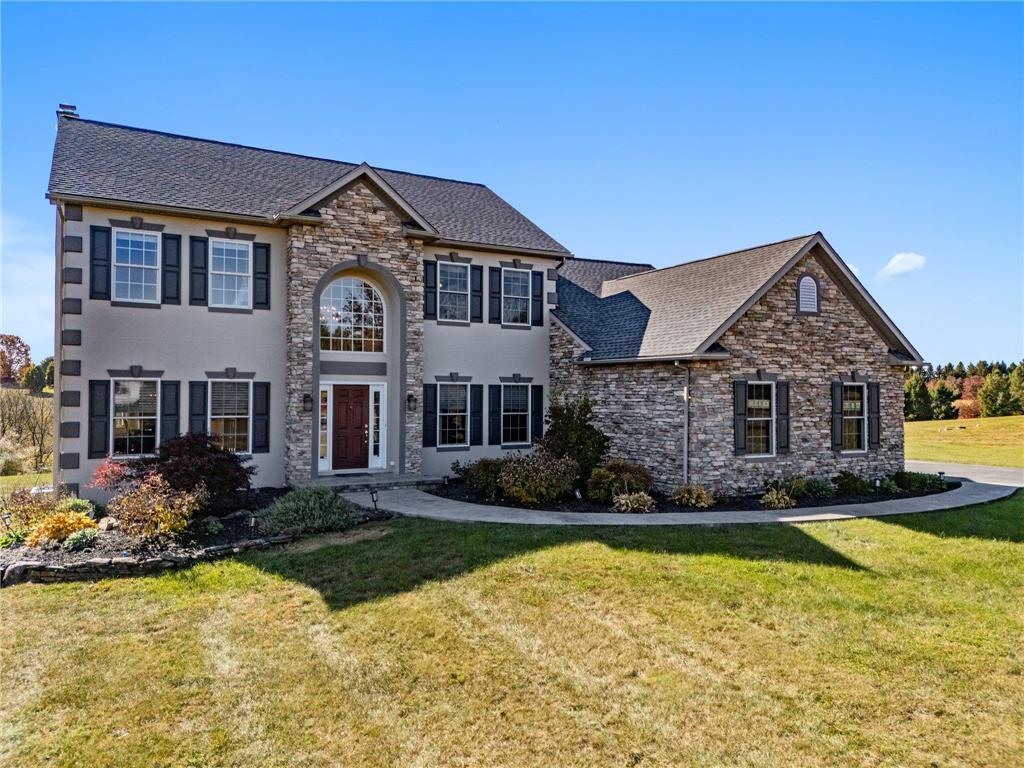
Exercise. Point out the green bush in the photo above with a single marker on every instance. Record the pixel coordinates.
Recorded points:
(694, 496)
(615, 477)
(307, 510)
(538, 477)
(14, 537)
(818, 488)
(917, 482)
(795, 487)
(79, 540)
(72, 504)
(776, 498)
(481, 476)
(633, 503)
(849, 484)
(571, 432)
(9, 467)
(888, 486)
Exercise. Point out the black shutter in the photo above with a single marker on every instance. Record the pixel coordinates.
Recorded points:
(170, 269)
(170, 405)
(429, 290)
(99, 418)
(261, 417)
(782, 417)
(874, 415)
(197, 247)
(837, 415)
(494, 414)
(197, 406)
(261, 276)
(739, 417)
(476, 294)
(537, 298)
(494, 297)
(99, 263)
(536, 409)
(429, 415)
(476, 414)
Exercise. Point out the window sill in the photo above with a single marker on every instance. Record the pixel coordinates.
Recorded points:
(760, 457)
(515, 327)
(853, 452)
(455, 323)
(515, 446)
(135, 304)
(452, 448)
(231, 310)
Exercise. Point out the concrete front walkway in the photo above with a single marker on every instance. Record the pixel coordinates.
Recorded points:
(416, 503)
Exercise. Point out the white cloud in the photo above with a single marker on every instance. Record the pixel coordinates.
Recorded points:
(902, 263)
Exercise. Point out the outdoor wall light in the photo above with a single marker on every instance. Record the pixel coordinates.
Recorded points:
(307, 403)
(410, 402)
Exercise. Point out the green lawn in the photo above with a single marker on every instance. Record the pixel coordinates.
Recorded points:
(997, 441)
(888, 642)
(14, 482)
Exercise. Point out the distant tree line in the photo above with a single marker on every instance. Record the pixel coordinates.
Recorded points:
(964, 391)
(26, 408)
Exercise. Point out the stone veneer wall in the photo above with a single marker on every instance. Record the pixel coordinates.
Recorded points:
(356, 222)
(809, 351)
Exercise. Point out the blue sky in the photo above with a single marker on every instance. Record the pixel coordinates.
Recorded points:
(657, 133)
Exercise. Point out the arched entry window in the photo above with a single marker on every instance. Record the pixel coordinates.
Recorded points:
(351, 317)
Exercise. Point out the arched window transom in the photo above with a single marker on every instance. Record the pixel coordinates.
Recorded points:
(807, 295)
(351, 317)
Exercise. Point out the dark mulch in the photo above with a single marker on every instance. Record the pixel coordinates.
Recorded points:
(457, 491)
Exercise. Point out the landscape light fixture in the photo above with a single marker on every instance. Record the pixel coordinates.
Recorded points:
(373, 498)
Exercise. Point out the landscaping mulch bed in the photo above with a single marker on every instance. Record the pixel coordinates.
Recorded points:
(457, 491)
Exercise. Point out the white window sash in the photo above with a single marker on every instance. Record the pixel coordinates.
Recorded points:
(863, 418)
(529, 415)
(113, 418)
(440, 291)
(439, 416)
(248, 416)
(248, 276)
(770, 419)
(114, 265)
(528, 297)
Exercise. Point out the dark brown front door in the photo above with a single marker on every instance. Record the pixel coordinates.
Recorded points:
(351, 427)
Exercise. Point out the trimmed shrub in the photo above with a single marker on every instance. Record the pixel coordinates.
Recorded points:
(571, 432)
(307, 510)
(481, 476)
(79, 540)
(795, 487)
(154, 508)
(538, 478)
(849, 484)
(776, 498)
(887, 485)
(818, 488)
(916, 482)
(633, 503)
(615, 477)
(57, 526)
(694, 496)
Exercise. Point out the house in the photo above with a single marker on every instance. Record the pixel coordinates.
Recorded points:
(333, 319)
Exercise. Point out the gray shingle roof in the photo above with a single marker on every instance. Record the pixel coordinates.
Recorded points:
(592, 273)
(671, 311)
(114, 162)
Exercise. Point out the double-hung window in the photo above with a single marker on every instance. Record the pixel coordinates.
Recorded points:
(855, 416)
(515, 414)
(231, 274)
(760, 418)
(230, 408)
(452, 414)
(134, 414)
(136, 266)
(515, 296)
(452, 291)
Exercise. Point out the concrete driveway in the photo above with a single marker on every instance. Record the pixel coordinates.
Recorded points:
(979, 473)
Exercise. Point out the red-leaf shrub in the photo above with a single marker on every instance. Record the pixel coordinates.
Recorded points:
(969, 389)
(967, 408)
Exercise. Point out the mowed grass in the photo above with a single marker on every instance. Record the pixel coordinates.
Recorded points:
(887, 642)
(998, 441)
(14, 482)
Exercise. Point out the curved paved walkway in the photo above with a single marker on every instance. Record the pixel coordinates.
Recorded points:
(416, 503)
(979, 473)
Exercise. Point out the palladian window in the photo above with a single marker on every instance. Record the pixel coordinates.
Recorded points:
(351, 317)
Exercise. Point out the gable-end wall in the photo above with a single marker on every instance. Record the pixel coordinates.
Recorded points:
(809, 352)
(356, 223)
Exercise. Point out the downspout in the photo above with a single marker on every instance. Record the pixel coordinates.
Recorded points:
(686, 427)
(58, 352)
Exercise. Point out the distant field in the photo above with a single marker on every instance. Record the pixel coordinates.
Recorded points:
(996, 441)
(14, 482)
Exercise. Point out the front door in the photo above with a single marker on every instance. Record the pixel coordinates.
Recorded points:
(351, 426)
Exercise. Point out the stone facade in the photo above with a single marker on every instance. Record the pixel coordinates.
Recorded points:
(355, 223)
(642, 407)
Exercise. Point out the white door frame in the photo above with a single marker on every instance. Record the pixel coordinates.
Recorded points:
(374, 463)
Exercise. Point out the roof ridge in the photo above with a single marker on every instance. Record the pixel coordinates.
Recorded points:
(218, 142)
(716, 256)
(611, 261)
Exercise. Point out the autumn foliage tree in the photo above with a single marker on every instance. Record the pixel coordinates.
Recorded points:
(14, 358)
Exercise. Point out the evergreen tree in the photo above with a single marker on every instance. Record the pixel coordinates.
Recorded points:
(1017, 386)
(995, 397)
(942, 396)
(917, 404)
(960, 372)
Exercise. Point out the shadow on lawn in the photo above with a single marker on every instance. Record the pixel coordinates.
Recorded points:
(420, 551)
(1001, 520)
